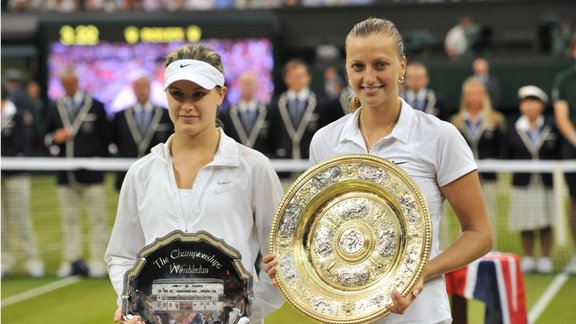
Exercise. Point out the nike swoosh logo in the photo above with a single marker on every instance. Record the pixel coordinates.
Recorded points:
(398, 163)
(184, 65)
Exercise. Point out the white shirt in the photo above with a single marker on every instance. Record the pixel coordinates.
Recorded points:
(234, 198)
(301, 95)
(456, 39)
(77, 99)
(434, 154)
(147, 107)
(8, 112)
(246, 106)
(421, 95)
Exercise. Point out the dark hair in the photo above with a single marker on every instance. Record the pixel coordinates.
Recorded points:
(371, 26)
(199, 52)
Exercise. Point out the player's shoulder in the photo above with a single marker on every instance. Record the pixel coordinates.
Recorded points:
(432, 126)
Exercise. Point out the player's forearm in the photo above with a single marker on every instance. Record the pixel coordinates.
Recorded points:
(470, 246)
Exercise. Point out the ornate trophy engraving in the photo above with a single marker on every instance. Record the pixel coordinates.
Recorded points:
(349, 232)
(184, 278)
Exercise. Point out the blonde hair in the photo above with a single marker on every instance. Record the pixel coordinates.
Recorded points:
(492, 117)
(368, 27)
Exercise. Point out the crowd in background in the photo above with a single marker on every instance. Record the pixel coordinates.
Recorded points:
(166, 5)
(469, 36)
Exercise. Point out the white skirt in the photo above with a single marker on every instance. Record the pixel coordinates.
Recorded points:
(531, 207)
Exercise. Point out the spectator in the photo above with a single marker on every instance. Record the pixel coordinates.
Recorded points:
(125, 96)
(561, 34)
(565, 116)
(481, 69)
(247, 121)
(16, 217)
(38, 114)
(243, 4)
(333, 83)
(192, 4)
(457, 42)
(418, 95)
(20, 5)
(334, 98)
(34, 96)
(140, 127)
(296, 114)
(77, 126)
(104, 5)
(17, 95)
(533, 137)
(483, 129)
(62, 5)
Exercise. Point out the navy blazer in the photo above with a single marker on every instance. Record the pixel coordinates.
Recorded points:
(90, 137)
(293, 141)
(14, 141)
(520, 147)
(258, 138)
(130, 142)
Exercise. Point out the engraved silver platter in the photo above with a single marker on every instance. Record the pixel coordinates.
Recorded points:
(347, 233)
(186, 278)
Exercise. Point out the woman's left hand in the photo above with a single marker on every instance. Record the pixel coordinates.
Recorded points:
(270, 263)
(401, 303)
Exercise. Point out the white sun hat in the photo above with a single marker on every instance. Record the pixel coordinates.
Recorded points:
(199, 72)
(531, 91)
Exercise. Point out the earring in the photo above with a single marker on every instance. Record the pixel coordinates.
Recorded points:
(401, 80)
(349, 82)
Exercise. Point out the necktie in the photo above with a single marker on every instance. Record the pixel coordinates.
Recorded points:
(296, 111)
(249, 119)
(141, 120)
(72, 108)
(534, 135)
(418, 104)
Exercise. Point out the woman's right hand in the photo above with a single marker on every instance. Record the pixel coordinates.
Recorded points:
(270, 267)
(134, 320)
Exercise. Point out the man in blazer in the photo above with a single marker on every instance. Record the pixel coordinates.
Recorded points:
(76, 126)
(418, 95)
(138, 128)
(247, 121)
(481, 68)
(296, 114)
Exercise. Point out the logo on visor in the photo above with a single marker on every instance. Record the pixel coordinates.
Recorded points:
(184, 65)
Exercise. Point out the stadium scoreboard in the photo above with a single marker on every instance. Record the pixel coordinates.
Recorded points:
(90, 35)
(132, 31)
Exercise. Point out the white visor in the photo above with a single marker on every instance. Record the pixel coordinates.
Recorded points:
(199, 72)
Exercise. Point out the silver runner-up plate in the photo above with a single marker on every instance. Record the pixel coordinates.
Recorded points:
(184, 278)
(348, 232)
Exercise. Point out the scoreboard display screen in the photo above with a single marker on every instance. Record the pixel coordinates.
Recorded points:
(108, 58)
